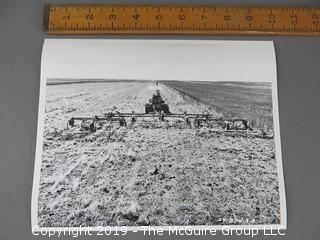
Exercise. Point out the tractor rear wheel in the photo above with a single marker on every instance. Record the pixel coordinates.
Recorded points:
(149, 108)
(165, 108)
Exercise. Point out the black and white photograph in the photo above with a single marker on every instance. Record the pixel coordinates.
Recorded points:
(143, 133)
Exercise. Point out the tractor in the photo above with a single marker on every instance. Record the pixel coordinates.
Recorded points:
(156, 104)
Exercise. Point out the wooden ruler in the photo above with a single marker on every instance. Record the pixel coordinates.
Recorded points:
(180, 19)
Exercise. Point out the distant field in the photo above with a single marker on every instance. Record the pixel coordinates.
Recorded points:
(58, 81)
(252, 101)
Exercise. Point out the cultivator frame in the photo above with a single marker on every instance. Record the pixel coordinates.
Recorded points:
(123, 117)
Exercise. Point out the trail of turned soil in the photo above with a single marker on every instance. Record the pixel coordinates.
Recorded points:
(152, 172)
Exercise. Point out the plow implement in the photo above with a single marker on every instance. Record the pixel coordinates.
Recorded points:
(193, 120)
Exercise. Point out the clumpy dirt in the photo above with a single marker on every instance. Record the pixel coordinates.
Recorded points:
(151, 172)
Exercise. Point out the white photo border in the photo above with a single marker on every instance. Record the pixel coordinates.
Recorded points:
(40, 130)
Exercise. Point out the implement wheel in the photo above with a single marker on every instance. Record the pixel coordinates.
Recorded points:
(92, 127)
(70, 123)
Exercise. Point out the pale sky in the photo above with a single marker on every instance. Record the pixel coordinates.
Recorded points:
(196, 60)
